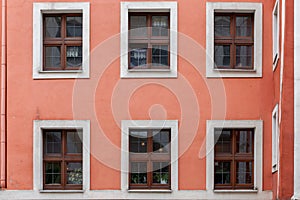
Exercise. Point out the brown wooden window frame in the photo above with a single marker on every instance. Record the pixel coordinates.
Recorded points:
(233, 40)
(233, 158)
(63, 158)
(150, 157)
(62, 41)
(149, 40)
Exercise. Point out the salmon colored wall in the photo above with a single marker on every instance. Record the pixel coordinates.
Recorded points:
(29, 99)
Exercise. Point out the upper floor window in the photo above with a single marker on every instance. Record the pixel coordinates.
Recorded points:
(149, 41)
(62, 158)
(234, 41)
(275, 34)
(62, 42)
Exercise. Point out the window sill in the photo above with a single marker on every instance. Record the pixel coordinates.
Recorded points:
(150, 191)
(235, 70)
(149, 70)
(236, 191)
(61, 71)
(61, 191)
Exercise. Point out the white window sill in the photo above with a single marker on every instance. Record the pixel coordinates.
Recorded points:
(62, 71)
(149, 70)
(235, 70)
(61, 191)
(150, 191)
(235, 191)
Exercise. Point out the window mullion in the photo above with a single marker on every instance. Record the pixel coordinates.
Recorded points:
(233, 159)
(64, 168)
(63, 35)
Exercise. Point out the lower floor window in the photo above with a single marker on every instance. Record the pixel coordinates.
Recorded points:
(62, 158)
(234, 159)
(150, 157)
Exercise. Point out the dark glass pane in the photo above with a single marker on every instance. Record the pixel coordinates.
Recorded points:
(53, 57)
(222, 25)
(138, 55)
(138, 141)
(161, 140)
(52, 173)
(138, 173)
(138, 26)
(160, 55)
(244, 141)
(74, 26)
(74, 56)
(74, 142)
(243, 56)
(161, 172)
(53, 142)
(222, 55)
(53, 27)
(222, 172)
(243, 26)
(244, 172)
(160, 25)
(223, 141)
(74, 173)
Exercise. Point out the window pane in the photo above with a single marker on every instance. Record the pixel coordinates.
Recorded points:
(138, 26)
(160, 25)
(138, 173)
(74, 26)
(160, 55)
(161, 172)
(223, 141)
(53, 142)
(243, 26)
(222, 25)
(53, 57)
(52, 173)
(74, 56)
(243, 56)
(244, 172)
(138, 141)
(222, 55)
(138, 55)
(161, 140)
(74, 142)
(244, 141)
(222, 172)
(53, 27)
(74, 173)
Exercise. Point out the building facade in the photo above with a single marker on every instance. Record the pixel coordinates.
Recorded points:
(147, 99)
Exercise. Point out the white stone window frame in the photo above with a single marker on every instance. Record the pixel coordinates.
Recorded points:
(162, 6)
(233, 7)
(148, 124)
(55, 7)
(38, 127)
(211, 125)
(275, 139)
(275, 36)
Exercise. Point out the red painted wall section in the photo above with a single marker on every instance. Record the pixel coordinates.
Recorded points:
(30, 99)
(287, 123)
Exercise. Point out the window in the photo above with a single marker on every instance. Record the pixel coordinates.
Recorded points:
(275, 34)
(62, 157)
(234, 155)
(61, 40)
(150, 158)
(148, 40)
(233, 39)
(149, 155)
(234, 158)
(275, 139)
